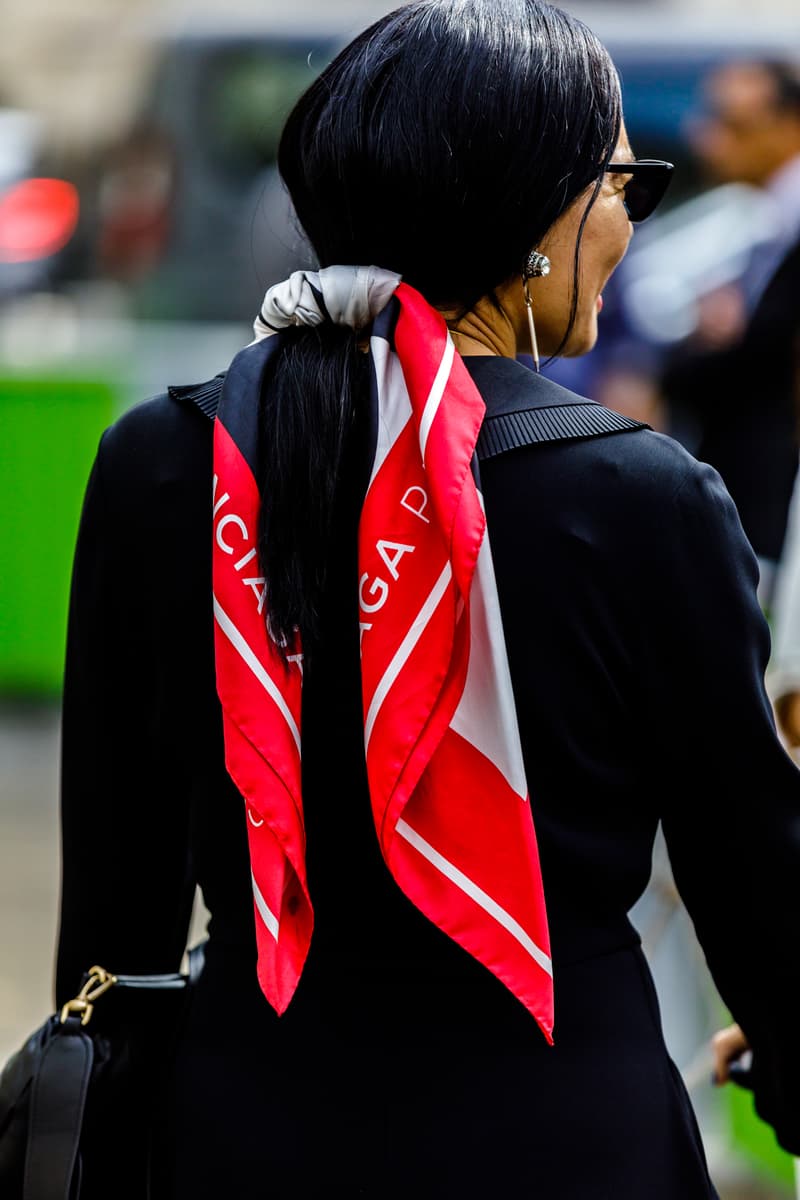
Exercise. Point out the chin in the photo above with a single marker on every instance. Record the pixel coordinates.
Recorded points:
(582, 339)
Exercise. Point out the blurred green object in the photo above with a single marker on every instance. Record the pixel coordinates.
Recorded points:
(754, 1139)
(51, 427)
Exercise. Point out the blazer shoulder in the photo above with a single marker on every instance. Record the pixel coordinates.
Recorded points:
(158, 442)
(626, 477)
(661, 465)
(649, 482)
(649, 470)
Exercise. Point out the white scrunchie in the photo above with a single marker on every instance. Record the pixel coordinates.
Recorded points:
(345, 295)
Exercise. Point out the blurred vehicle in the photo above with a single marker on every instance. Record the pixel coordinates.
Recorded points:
(190, 215)
(38, 213)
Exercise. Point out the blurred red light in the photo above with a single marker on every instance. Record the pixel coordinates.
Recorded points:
(37, 218)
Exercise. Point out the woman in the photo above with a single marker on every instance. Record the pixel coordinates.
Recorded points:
(462, 145)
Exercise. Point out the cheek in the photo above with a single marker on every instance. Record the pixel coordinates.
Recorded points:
(602, 254)
(623, 229)
(619, 236)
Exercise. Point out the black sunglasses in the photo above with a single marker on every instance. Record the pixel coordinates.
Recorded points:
(645, 189)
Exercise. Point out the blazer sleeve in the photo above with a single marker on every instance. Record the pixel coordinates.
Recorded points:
(127, 875)
(730, 793)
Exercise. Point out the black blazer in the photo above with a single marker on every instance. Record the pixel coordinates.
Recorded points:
(637, 651)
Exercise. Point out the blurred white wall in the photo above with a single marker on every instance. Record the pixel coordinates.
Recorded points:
(82, 63)
(74, 61)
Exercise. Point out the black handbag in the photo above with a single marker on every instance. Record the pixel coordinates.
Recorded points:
(73, 1083)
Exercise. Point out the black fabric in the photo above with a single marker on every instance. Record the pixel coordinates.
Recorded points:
(554, 415)
(744, 399)
(205, 395)
(403, 1067)
(57, 1104)
(43, 1091)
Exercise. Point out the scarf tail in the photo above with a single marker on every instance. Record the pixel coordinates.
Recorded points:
(443, 751)
(261, 703)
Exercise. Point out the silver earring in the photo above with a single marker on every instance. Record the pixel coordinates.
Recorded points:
(536, 265)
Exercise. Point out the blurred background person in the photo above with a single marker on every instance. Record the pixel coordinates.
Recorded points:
(736, 375)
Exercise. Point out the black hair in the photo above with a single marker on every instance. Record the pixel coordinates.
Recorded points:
(442, 143)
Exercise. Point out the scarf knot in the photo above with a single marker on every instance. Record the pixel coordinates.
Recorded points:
(346, 295)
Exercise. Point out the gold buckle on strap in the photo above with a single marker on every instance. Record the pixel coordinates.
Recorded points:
(98, 982)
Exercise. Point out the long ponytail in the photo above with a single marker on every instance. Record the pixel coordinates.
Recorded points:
(307, 413)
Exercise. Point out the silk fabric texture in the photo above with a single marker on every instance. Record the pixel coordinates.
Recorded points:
(444, 762)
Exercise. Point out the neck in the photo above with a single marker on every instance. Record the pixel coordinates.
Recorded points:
(486, 329)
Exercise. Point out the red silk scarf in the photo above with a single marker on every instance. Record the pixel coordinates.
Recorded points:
(444, 762)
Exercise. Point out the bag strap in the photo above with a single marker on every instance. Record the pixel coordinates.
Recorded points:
(150, 983)
(58, 1100)
(499, 433)
(166, 983)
